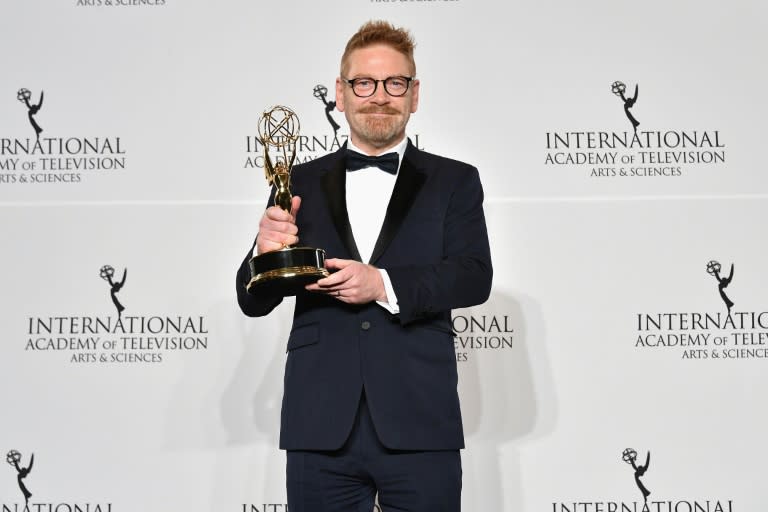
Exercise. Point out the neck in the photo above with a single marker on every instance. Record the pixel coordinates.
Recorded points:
(375, 150)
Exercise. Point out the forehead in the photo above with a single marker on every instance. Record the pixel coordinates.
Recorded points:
(378, 61)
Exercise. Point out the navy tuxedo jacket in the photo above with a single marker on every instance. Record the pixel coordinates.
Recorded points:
(434, 246)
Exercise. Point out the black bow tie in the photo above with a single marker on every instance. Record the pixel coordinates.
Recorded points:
(387, 163)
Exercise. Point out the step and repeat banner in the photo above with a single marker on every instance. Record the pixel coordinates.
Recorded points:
(619, 363)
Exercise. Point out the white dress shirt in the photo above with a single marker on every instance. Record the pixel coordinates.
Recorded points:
(368, 193)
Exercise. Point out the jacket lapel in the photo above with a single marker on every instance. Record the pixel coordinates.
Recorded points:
(409, 181)
(334, 184)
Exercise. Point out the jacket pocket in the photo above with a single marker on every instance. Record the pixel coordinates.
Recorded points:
(303, 336)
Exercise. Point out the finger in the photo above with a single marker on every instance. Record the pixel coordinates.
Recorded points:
(276, 213)
(288, 240)
(280, 237)
(338, 263)
(273, 240)
(284, 228)
(276, 219)
(314, 287)
(335, 280)
(267, 246)
(272, 226)
(332, 281)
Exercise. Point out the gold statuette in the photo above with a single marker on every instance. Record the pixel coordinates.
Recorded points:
(285, 271)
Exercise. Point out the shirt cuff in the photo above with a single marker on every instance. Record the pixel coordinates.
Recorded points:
(391, 303)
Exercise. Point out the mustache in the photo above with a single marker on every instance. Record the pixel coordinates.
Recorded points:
(378, 110)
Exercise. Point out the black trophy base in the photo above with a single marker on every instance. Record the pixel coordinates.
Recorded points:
(285, 272)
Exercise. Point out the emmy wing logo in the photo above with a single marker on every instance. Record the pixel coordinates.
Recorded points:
(107, 272)
(14, 458)
(24, 95)
(630, 457)
(713, 269)
(321, 92)
(618, 88)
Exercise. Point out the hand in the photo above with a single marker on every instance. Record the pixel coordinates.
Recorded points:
(277, 228)
(353, 282)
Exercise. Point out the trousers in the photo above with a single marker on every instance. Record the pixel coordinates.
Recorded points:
(349, 479)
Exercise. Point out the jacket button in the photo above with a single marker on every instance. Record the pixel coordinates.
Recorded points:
(365, 325)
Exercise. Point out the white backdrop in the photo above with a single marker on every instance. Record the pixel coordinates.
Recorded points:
(554, 382)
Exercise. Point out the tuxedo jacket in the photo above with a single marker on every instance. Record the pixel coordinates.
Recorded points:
(434, 246)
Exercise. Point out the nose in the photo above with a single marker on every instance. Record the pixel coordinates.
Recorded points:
(380, 96)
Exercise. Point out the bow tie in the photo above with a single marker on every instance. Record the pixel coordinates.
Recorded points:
(387, 163)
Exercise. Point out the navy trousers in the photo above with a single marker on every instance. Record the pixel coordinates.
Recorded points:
(348, 479)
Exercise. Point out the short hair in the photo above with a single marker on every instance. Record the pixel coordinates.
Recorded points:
(381, 32)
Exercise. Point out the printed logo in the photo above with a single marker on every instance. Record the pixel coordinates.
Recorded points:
(713, 269)
(107, 273)
(24, 96)
(119, 3)
(280, 507)
(55, 159)
(630, 457)
(619, 89)
(431, 2)
(603, 503)
(14, 458)
(123, 339)
(480, 333)
(724, 334)
(320, 93)
(655, 152)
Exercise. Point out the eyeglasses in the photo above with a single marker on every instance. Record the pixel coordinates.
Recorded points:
(365, 87)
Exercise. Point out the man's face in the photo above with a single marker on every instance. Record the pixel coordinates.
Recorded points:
(378, 121)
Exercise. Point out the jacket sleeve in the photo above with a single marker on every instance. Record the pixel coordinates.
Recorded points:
(463, 277)
(252, 305)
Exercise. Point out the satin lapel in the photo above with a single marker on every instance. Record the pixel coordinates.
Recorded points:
(409, 181)
(334, 184)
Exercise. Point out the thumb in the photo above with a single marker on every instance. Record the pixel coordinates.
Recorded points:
(295, 205)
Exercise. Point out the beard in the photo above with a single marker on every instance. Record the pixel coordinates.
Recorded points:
(379, 131)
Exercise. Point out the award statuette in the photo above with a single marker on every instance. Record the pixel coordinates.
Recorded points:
(285, 271)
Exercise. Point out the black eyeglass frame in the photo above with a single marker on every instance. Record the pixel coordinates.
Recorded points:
(408, 80)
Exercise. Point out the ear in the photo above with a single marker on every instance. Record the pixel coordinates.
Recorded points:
(339, 94)
(415, 95)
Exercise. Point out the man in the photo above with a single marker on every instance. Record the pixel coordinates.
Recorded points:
(370, 403)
